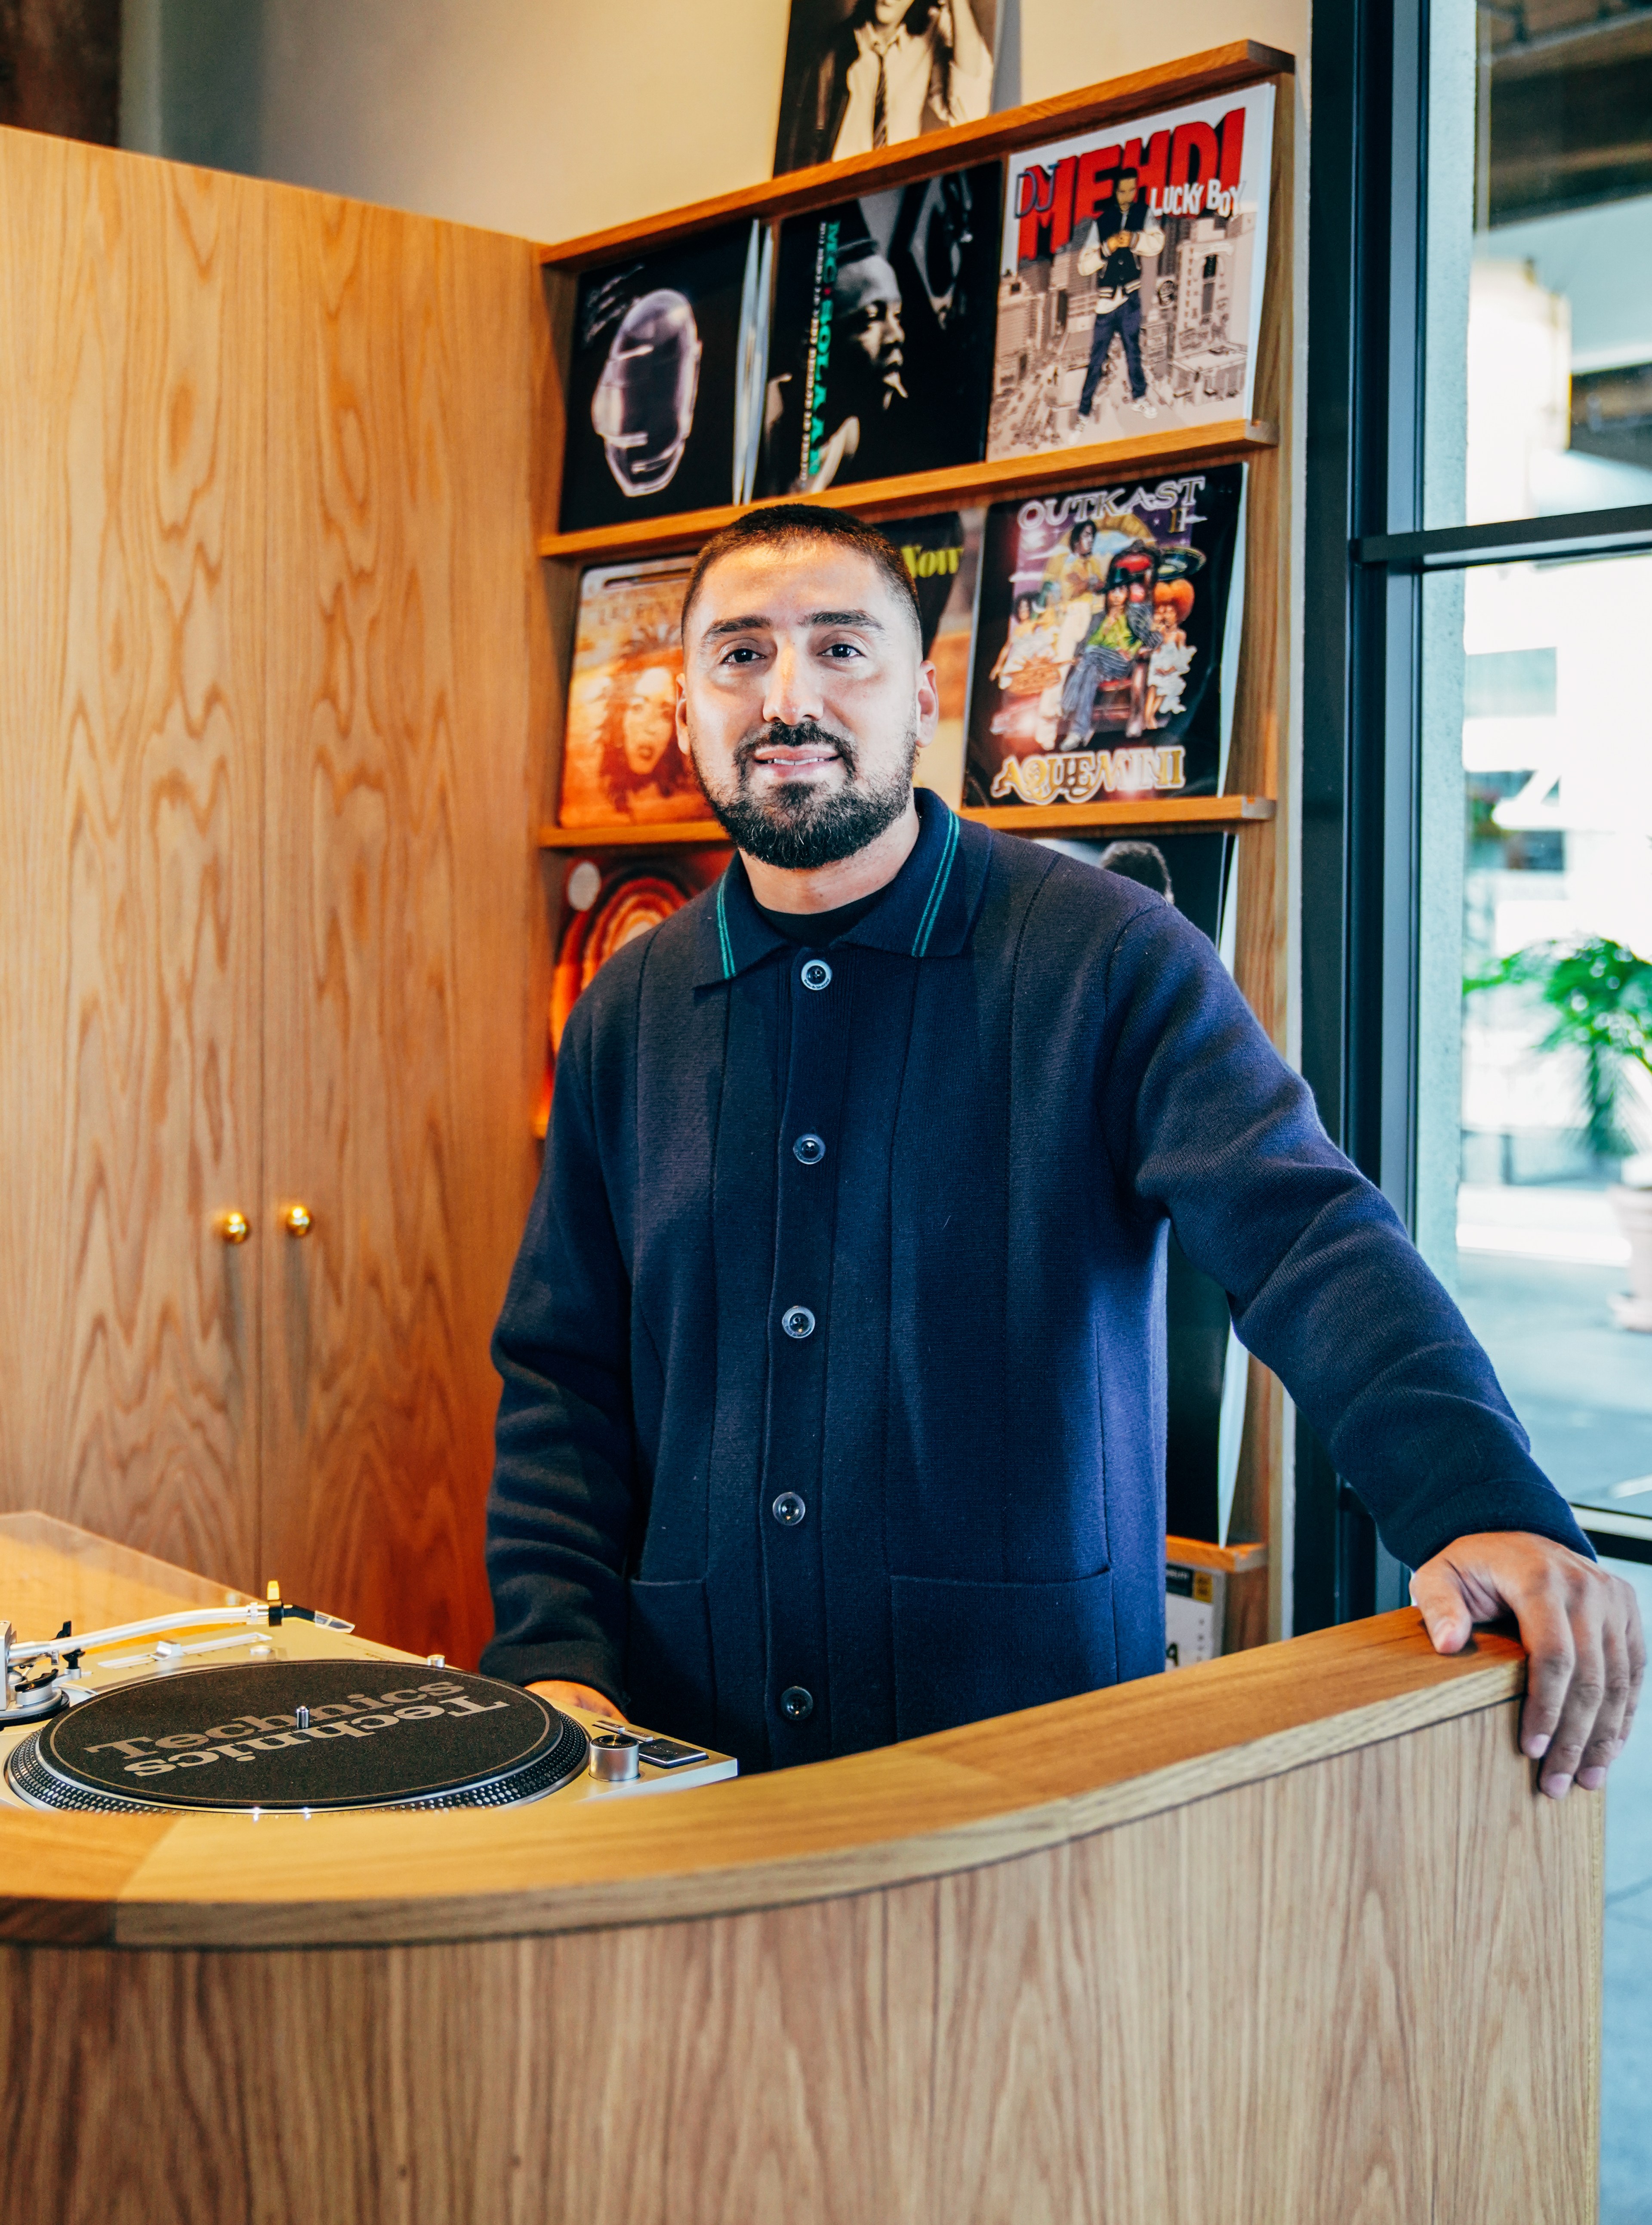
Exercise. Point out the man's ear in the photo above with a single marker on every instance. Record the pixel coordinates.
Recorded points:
(681, 716)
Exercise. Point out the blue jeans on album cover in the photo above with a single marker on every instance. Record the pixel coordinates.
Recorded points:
(1126, 321)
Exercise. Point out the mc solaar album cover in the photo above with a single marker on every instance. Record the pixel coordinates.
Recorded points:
(1131, 276)
(665, 380)
(880, 358)
(620, 757)
(1103, 620)
(1206, 1369)
(942, 552)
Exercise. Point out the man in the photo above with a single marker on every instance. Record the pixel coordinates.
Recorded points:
(876, 76)
(1116, 252)
(833, 1405)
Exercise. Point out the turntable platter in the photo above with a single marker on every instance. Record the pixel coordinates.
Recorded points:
(300, 1735)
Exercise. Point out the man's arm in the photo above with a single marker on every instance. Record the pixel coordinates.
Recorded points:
(1205, 1122)
(560, 1506)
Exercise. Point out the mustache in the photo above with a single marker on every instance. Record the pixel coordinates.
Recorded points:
(808, 733)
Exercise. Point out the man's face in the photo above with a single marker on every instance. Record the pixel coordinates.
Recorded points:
(649, 723)
(866, 316)
(1087, 540)
(804, 699)
(1126, 192)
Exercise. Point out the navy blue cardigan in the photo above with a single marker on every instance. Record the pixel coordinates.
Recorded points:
(949, 1165)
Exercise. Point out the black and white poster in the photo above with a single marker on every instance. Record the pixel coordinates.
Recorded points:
(880, 358)
(664, 381)
(862, 74)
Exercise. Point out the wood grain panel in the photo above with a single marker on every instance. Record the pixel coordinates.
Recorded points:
(1362, 1990)
(131, 453)
(406, 968)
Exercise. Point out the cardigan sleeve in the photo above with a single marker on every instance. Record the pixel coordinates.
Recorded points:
(1206, 1123)
(560, 1511)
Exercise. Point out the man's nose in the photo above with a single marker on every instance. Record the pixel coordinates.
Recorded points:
(793, 693)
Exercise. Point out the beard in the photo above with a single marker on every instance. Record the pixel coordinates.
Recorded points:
(800, 827)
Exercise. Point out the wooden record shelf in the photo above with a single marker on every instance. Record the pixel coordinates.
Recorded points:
(1176, 814)
(1218, 69)
(916, 493)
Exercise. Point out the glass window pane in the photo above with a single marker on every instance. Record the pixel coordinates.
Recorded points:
(1552, 389)
(1537, 986)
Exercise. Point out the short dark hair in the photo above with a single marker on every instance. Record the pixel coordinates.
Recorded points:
(793, 525)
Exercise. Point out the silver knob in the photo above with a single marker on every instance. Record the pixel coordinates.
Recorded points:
(613, 1757)
(301, 1719)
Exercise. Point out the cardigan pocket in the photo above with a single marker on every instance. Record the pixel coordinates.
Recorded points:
(669, 1659)
(966, 1651)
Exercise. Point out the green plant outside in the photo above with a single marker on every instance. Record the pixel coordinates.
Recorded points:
(1600, 993)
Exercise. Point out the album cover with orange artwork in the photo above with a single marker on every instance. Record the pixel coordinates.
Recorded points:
(620, 758)
(604, 906)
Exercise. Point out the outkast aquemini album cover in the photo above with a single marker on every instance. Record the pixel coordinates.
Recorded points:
(1099, 643)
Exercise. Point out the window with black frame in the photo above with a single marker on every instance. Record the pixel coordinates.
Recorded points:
(1478, 825)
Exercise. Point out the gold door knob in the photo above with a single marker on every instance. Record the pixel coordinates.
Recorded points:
(233, 1228)
(296, 1220)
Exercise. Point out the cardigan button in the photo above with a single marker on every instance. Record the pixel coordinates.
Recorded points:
(798, 1322)
(788, 1510)
(816, 973)
(796, 1704)
(808, 1150)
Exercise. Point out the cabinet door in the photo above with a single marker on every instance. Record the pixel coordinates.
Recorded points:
(405, 966)
(132, 302)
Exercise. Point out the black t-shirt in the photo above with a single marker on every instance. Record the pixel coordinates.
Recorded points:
(816, 929)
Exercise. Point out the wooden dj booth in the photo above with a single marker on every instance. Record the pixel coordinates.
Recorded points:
(1288, 1936)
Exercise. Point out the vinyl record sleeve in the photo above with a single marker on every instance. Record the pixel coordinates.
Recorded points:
(1130, 277)
(620, 757)
(943, 554)
(880, 356)
(938, 72)
(655, 380)
(1098, 647)
(1194, 872)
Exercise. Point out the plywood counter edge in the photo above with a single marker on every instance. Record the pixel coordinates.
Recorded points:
(1225, 68)
(960, 1800)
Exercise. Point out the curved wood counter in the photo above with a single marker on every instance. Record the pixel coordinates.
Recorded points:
(1266, 1938)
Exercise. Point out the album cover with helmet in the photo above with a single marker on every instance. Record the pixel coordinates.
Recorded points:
(880, 358)
(665, 380)
(1130, 277)
(1105, 617)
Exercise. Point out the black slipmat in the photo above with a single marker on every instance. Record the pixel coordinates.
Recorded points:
(380, 1734)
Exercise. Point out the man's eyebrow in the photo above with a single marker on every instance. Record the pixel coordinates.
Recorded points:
(815, 619)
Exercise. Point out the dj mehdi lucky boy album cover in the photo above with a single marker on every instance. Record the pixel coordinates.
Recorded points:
(1129, 288)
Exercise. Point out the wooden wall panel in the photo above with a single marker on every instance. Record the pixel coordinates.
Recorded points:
(1363, 1990)
(132, 460)
(406, 971)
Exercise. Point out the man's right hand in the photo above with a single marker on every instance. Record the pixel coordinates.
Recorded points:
(580, 1697)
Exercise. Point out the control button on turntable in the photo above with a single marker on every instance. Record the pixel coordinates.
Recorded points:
(788, 1510)
(796, 1703)
(614, 1757)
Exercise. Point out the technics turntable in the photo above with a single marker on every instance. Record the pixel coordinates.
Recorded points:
(307, 1719)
